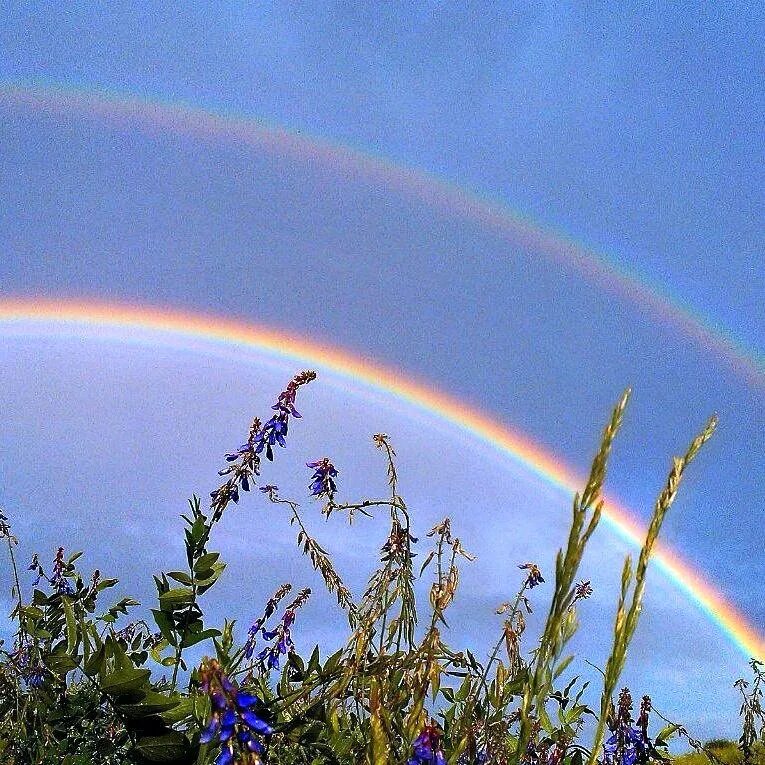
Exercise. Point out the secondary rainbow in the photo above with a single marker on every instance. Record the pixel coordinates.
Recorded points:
(81, 315)
(200, 124)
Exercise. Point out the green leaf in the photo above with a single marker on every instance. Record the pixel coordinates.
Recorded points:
(166, 748)
(124, 681)
(192, 638)
(181, 576)
(165, 624)
(172, 599)
(313, 662)
(668, 731)
(71, 626)
(152, 703)
(60, 663)
(94, 664)
(205, 562)
(32, 611)
(561, 668)
(182, 709)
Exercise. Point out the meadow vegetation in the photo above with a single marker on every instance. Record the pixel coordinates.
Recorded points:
(82, 682)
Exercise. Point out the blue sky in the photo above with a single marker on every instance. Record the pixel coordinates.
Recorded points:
(637, 132)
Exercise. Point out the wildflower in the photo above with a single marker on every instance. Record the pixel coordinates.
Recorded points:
(269, 489)
(256, 626)
(627, 745)
(32, 672)
(275, 430)
(269, 656)
(426, 749)
(583, 590)
(322, 481)
(127, 633)
(5, 529)
(233, 721)
(534, 576)
(58, 579)
(396, 545)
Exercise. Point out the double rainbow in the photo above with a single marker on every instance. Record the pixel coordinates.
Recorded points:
(151, 116)
(199, 124)
(82, 317)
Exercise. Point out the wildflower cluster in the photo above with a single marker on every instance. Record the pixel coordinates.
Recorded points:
(534, 576)
(627, 744)
(426, 749)
(246, 459)
(234, 723)
(275, 430)
(322, 481)
(255, 627)
(78, 685)
(31, 670)
(269, 656)
(57, 579)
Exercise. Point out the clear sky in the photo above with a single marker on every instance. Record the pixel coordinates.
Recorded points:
(636, 132)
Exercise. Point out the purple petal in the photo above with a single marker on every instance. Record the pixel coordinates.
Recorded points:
(208, 734)
(258, 725)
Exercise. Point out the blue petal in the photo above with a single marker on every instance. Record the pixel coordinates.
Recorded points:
(208, 734)
(245, 699)
(226, 757)
(258, 725)
(218, 700)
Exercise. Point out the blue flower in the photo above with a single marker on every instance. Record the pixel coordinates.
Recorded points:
(268, 658)
(275, 430)
(534, 576)
(322, 481)
(34, 676)
(426, 749)
(233, 721)
(632, 747)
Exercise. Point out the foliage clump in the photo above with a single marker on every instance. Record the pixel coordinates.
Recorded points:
(87, 684)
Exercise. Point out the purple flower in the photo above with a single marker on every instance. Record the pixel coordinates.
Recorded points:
(256, 626)
(57, 580)
(32, 672)
(275, 430)
(627, 744)
(233, 720)
(583, 590)
(534, 576)
(426, 749)
(322, 481)
(34, 676)
(268, 658)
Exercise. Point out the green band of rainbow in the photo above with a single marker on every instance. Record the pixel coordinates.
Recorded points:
(154, 116)
(15, 313)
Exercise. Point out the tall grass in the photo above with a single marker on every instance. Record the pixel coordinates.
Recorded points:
(81, 684)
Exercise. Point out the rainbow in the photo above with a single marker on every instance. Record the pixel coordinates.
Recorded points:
(80, 316)
(199, 124)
